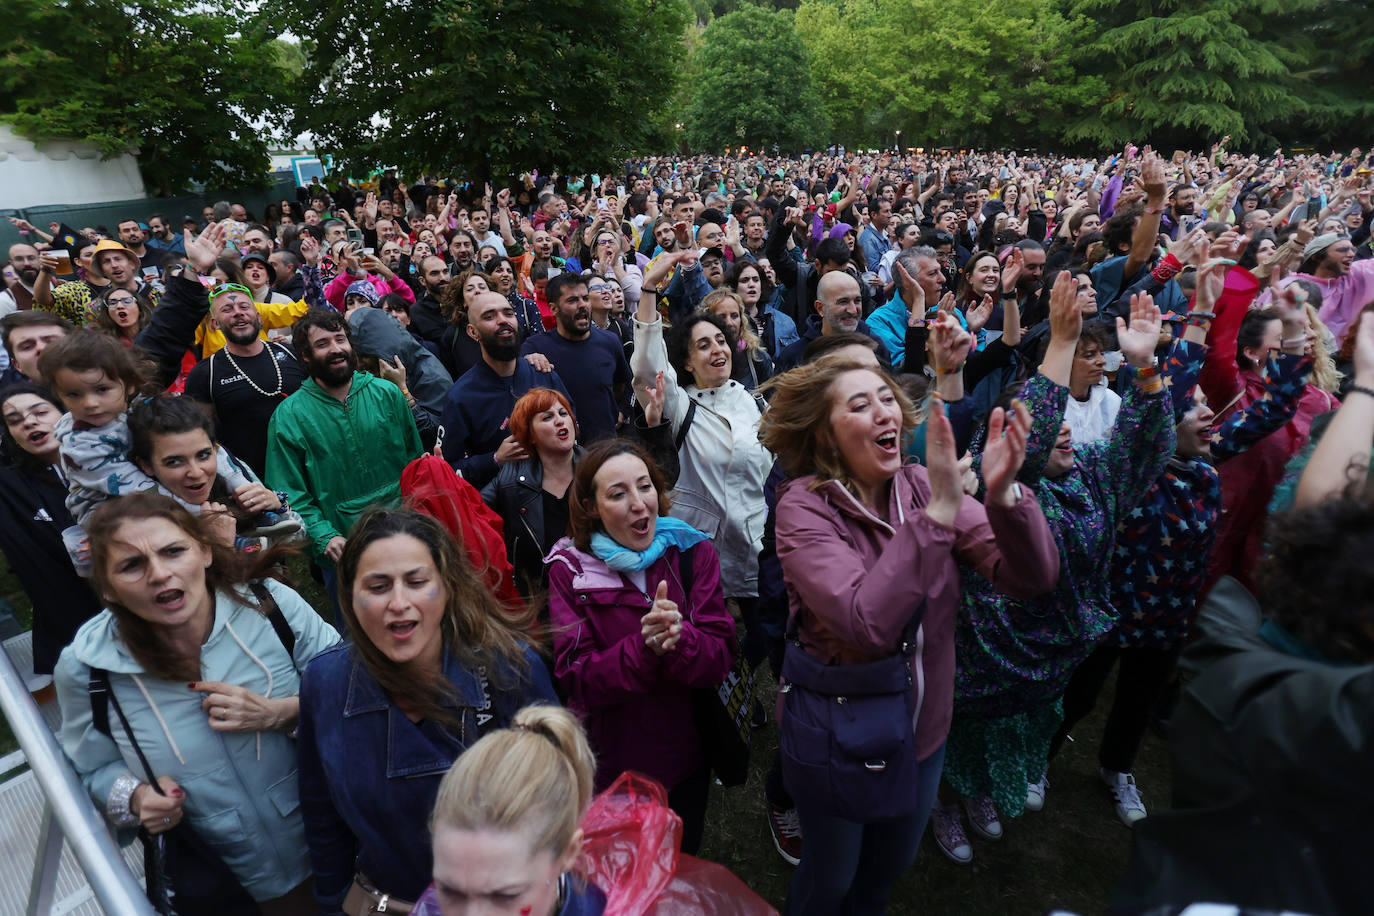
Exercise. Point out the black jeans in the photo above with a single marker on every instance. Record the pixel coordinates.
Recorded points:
(1141, 680)
(688, 801)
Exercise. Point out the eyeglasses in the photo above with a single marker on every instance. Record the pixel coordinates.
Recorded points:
(111, 301)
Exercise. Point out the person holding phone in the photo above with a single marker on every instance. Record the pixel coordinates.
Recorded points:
(353, 266)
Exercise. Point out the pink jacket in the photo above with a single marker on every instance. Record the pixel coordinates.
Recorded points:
(637, 706)
(334, 290)
(856, 579)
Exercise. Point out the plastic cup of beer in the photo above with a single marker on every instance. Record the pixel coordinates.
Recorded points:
(64, 260)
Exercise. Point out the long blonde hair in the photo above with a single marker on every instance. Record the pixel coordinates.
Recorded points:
(752, 345)
(535, 776)
(796, 426)
(1325, 375)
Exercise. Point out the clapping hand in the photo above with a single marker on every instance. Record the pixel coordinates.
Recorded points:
(661, 628)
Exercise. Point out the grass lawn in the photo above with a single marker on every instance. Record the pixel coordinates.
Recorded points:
(1067, 856)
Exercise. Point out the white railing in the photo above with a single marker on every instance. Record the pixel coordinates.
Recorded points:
(67, 814)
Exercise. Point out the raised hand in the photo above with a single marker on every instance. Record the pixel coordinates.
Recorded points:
(1011, 270)
(203, 249)
(978, 316)
(912, 293)
(1139, 339)
(1066, 318)
(942, 467)
(1004, 453)
(654, 396)
(949, 343)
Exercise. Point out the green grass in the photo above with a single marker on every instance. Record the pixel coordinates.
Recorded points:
(1067, 856)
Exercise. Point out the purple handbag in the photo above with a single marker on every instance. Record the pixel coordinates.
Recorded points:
(847, 734)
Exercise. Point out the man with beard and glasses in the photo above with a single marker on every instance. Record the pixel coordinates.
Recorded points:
(475, 435)
(241, 385)
(592, 360)
(338, 445)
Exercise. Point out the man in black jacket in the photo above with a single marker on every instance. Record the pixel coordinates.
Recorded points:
(799, 277)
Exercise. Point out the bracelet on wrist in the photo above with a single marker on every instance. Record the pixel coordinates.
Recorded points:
(1199, 313)
(952, 371)
(1150, 371)
(1150, 385)
(1359, 389)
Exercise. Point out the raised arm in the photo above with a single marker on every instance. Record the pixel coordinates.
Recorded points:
(1340, 462)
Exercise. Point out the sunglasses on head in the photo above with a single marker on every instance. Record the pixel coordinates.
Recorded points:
(230, 287)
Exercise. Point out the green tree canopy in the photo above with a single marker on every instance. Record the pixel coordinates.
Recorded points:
(752, 85)
(194, 91)
(484, 86)
(1181, 73)
(945, 72)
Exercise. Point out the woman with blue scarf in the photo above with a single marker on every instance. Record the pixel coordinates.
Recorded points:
(638, 619)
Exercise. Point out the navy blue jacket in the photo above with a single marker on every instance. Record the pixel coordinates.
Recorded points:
(476, 411)
(369, 776)
(792, 355)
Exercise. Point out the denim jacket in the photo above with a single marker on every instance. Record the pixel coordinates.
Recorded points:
(369, 776)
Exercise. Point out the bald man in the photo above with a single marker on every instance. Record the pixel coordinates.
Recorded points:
(838, 310)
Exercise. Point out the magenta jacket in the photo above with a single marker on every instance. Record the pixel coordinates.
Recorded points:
(334, 290)
(637, 706)
(855, 579)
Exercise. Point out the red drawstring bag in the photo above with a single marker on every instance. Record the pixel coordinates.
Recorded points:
(630, 850)
(430, 486)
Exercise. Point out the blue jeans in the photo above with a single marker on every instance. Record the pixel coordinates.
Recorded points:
(849, 868)
(331, 588)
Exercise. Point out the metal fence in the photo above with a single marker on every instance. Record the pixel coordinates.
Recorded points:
(67, 814)
(174, 209)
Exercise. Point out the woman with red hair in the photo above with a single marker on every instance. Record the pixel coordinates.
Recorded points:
(531, 496)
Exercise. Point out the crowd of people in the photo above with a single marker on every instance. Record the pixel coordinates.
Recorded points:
(944, 438)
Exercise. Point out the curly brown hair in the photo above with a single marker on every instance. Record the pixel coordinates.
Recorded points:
(796, 426)
(1314, 579)
(453, 303)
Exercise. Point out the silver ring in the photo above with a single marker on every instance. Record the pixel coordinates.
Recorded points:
(653, 640)
(166, 820)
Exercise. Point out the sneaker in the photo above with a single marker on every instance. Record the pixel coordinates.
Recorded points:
(785, 826)
(1129, 806)
(982, 817)
(758, 717)
(250, 544)
(275, 523)
(1035, 792)
(948, 828)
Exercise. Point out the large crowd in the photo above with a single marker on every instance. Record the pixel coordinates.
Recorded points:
(936, 441)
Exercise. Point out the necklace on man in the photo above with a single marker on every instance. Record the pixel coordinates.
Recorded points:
(249, 379)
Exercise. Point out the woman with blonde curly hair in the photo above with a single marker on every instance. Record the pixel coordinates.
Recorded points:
(752, 366)
(871, 550)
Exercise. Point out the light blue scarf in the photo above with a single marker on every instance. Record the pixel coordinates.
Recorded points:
(668, 532)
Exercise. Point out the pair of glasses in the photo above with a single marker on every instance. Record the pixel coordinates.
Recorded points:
(112, 302)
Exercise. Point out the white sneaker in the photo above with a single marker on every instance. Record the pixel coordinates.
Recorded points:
(1035, 792)
(982, 817)
(1129, 806)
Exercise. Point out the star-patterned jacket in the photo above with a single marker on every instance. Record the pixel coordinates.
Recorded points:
(1013, 655)
(1162, 545)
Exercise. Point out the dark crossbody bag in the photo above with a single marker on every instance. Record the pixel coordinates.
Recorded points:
(184, 876)
(847, 733)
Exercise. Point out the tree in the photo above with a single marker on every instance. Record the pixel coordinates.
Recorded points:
(483, 86)
(189, 88)
(946, 72)
(1184, 73)
(753, 85)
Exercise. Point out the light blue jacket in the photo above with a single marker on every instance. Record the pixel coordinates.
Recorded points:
(241, 792)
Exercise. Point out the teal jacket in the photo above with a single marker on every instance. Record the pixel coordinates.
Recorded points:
(241, 788)
(334, 459)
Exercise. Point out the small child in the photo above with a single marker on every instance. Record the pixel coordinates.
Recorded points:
(96, 377)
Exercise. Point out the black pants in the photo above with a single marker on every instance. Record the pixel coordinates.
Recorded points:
(688, 801)
(1143, 676)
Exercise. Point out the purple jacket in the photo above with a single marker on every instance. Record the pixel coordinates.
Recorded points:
(859, 578)
(637, 706)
